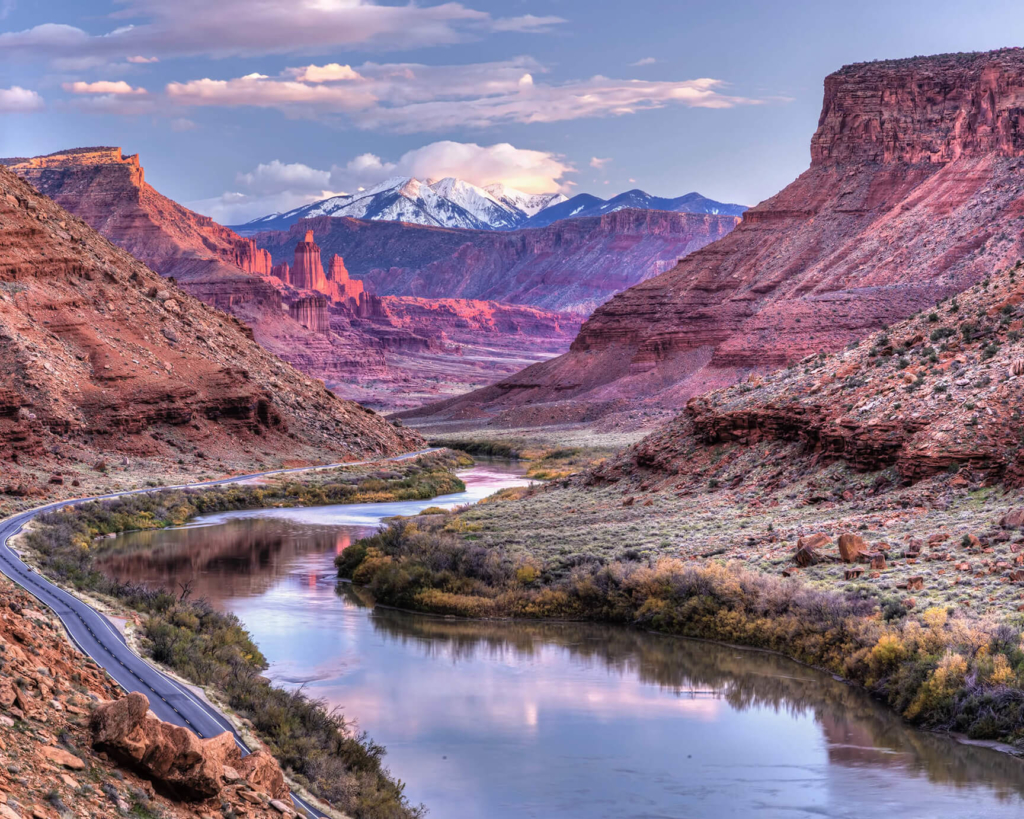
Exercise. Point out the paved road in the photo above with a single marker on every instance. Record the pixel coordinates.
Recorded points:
(93, 634)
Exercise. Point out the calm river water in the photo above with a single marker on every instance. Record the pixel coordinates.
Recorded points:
(500, 720)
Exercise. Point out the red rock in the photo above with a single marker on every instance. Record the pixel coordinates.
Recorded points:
(570, 266)
(172, 757)
(119, 366)
(852, 547)
(913, 163)
(1014, 519)
(307, 271)
(311, 313)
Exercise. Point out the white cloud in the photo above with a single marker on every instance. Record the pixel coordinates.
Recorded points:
(527, 170)
(102, 87)
(182, 124)
(644, 61)
(598, 163)
(332, 72)
(228, 28)
(277, 186)
(138, 58)
(276, 177)
(535, 102)
(410, 98)
(293, 97)
(16, 99)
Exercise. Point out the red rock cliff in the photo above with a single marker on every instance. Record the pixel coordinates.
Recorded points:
(308, 270)
(311, 313)
(99, 355)
(345, 287)
(573, 266)
(913, 194)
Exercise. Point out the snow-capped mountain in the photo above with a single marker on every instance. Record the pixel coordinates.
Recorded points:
(586, 205)
(529, 203)
(455, 203)
(448, 202)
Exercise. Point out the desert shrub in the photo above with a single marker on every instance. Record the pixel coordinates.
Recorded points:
(938, 670)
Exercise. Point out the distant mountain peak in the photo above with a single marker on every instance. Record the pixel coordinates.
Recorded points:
(455, 203)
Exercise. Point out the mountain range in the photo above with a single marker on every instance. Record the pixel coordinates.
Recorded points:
(455, 203)
(585, 204)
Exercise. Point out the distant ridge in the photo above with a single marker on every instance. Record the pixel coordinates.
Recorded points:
(585, 204)
(455, 203)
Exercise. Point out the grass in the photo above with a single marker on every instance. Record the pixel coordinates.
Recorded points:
(213, 648)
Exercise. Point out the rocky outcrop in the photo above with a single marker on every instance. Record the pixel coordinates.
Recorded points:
(109, 191)
(100, 356)
(307, 271)
(911, 196)
(282, 271)
(50, 764)
(346, 288)
(252, 259)
(311, 313)
(933, 394)
(571, 266)
(173, 758)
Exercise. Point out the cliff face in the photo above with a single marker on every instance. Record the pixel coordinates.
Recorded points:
(307, 272)
(936, 393)
(346, 340)
(913, 194)
(570, 266)
(101, 356)
(311, 313)
(109, 191)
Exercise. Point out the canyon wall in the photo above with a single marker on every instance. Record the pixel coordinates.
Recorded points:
(571, 266)
(101, 356)
(915, 191)
(347, 340)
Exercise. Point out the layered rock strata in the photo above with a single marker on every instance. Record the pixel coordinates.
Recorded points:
(913, 193)
(571, 266)
(100, 355)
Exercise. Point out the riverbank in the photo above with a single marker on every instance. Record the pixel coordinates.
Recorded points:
(929, 622)
(213, 649)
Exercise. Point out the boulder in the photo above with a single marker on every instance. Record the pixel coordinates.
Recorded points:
(807, 549)
(58, 756)
(817, 541)
(852, 547)
(177, 761)
(1013, 519)
(261, 771)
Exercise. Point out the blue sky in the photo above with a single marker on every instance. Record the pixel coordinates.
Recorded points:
(240, 107)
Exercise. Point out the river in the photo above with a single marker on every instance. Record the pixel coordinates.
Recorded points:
(494, 720)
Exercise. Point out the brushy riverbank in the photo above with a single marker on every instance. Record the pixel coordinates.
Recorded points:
(213, 648)
(543, 463)
(940, 666)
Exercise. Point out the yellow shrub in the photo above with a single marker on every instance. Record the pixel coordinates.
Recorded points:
(939, 688)
(886, 655)
(527, 573)
(1001, 674)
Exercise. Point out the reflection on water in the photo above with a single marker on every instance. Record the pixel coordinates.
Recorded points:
(561, 719)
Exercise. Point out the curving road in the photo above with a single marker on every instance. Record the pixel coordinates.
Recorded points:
(93, 634)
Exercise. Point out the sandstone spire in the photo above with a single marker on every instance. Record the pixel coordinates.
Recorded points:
(308, 271)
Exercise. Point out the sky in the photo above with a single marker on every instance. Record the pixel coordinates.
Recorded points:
(239, 108)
